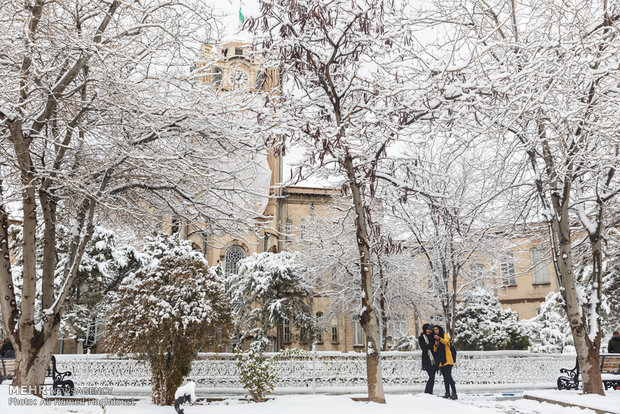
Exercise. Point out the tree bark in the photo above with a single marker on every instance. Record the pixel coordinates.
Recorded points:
(368, 318)
(587, 351)
(33, 358)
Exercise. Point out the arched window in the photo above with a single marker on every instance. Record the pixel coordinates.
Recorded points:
(217, 77)
(319, 334)
(260, 80)
(233, 255)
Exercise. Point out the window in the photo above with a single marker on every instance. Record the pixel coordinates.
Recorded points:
(358, 332)
(92, 333)
(302, 231)
(288, 228)
(540, 270)
(319, 334)
(233, 255)
(217, 77)
(238, 51)
(260, 80)
(286, 331)
(508, 270)
(174, 226)
(334, 330)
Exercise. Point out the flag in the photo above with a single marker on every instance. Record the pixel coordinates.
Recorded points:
(241, 18)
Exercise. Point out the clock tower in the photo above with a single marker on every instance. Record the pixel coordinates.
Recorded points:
(235, 65)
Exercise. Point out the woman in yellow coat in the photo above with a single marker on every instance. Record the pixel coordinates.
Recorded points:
(446, 362)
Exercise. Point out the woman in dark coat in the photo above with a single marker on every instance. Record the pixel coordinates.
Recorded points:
(446, 362)
(429, 364)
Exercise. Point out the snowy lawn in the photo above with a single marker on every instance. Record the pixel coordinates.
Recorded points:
(322, 404)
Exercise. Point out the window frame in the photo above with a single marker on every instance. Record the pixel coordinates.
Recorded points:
(507, 270)
(217, 76)
(286, 331)
(358, 332)
(319, 333)
(288, 229)
(540, 266)
(230, 266)
(334, 331)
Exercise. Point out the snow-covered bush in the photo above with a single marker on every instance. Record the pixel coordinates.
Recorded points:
(482, 324)
(549, 331)
(105, 263)
(404, 343)
(269, 290)
(166, 313)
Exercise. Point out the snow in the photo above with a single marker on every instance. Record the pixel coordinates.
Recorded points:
(187, 389)
(473, 403)
(610, 402)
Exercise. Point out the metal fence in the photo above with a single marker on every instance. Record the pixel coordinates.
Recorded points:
(325, 371)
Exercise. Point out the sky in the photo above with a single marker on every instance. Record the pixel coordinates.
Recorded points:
(229, 10)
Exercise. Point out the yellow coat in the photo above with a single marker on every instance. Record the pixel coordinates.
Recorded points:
(445, 342)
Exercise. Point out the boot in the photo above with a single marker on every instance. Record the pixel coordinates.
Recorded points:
(454, 397)
(447, 396)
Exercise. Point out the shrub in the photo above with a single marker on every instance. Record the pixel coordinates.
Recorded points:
(481, 323)
(166, 313)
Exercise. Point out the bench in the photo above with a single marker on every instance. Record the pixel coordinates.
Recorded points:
(610, 371)
(60, 383)
(610, 374)
(7, 368)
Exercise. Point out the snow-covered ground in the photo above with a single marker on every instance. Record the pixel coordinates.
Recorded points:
(468, 403)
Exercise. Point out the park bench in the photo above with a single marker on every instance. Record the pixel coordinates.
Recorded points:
(60, 383)
(610, 374)
(610, 371)
(7, 368)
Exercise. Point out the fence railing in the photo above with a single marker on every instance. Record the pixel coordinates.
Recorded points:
(322, 370)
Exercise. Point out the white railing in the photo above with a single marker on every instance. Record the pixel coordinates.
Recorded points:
(324, 370)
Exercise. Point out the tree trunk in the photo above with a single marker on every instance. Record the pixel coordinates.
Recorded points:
(368, 318)
(33, 357)
(161, 394)
(587, 351)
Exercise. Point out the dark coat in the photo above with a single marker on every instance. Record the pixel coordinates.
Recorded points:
(614, 345)
(429, 360)
(7, 351)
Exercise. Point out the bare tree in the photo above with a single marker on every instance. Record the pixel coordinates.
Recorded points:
(330, 256)
(456, 236)
(542, 79)
(343, 107)
(100, 113)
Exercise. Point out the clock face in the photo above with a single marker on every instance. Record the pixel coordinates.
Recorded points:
(239, 78)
